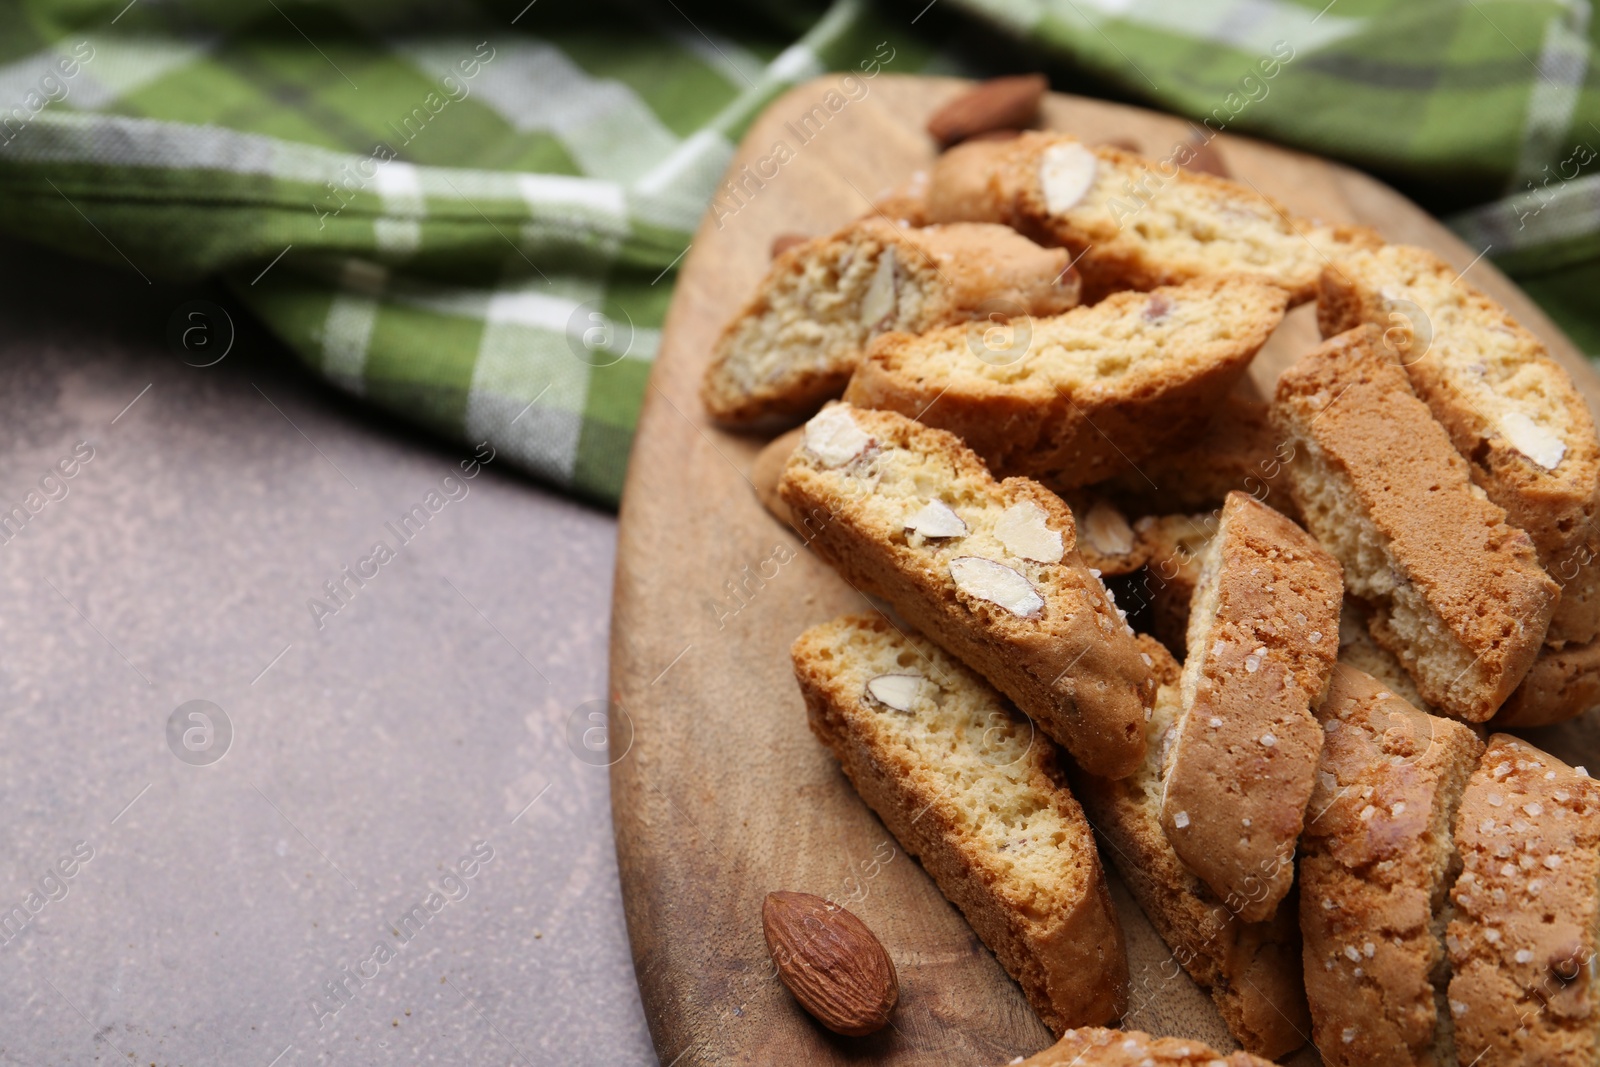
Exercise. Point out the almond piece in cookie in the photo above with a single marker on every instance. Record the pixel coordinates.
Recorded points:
(1074, 398)
(1523, 940)
(1457, 593)
(1134, 223)
(1377, 862)
(797, 341)
(1251, 970)
(1106, 540)
(1094, 1046)
(1511, 410)
(1010, 597)
(958, 776)
(1263, 637)
(1562, 684)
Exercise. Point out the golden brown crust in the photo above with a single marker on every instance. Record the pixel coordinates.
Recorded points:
(1562, 684)
(1072, 664)
(1237, 450)
(1377, 862)
(1457, 593)
(796, 342)
(959, 187)
(1172, 545)
(1522, 944)
(1264, 635)
(1251, 970)
(1071, 399)
(1193, 224)
(1056, 933)
(1098, 1047)
(1478, 366)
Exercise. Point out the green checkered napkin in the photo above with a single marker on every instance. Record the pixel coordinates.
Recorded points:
(473, 219)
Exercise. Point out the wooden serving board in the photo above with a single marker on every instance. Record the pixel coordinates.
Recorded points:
(724, 795)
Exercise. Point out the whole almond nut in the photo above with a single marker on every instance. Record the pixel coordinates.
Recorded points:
(1205, 158)
(831, 962)
(1107, 530)
(997, 104)
(785, 241)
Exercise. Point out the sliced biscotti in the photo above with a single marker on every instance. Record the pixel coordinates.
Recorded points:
(1523, 940)
(1512, 411)
(1251, 970)
(958, 776)
(1094, 1046)
(1074, 398)
(1562, 684)
(989, 570)
(1132, 223)
(1357, 649)
(1457, 593)
(1377, 861)
(1237, 450)
(959, 186)
(1172, 545)
(797, 341)
(1263, 637)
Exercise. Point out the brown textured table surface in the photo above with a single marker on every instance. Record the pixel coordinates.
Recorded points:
(233, 909)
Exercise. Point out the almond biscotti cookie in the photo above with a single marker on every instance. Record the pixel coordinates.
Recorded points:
(797, 341)
(1263, 637)
(958, 776)
(1377, 862)
(1512, 411)
(1172, 545)
(1562, 684)
(1094, 1046)
(1523, 940)
(1131, 223)
(1074, 398)
(959, 186)
(1457, 593)
(1237, 450)
(1357, 649)
(989, 570)
(1251, 970)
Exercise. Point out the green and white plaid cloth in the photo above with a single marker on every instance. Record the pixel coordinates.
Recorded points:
(471, 217)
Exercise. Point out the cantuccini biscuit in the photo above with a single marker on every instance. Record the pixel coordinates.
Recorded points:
(797, 341)
(1522, 941)
(1357, 649)
(1377, 862)
(959, 186)
(989, 570)
(1237, 450)
(1074, 398)
(1097, 1047)
(1251, 970)
(1511, 410)
(1263, 637)
(1457, 593)
(958, 776)
(1172, 545)
(1132, 223)
(1562, 684)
